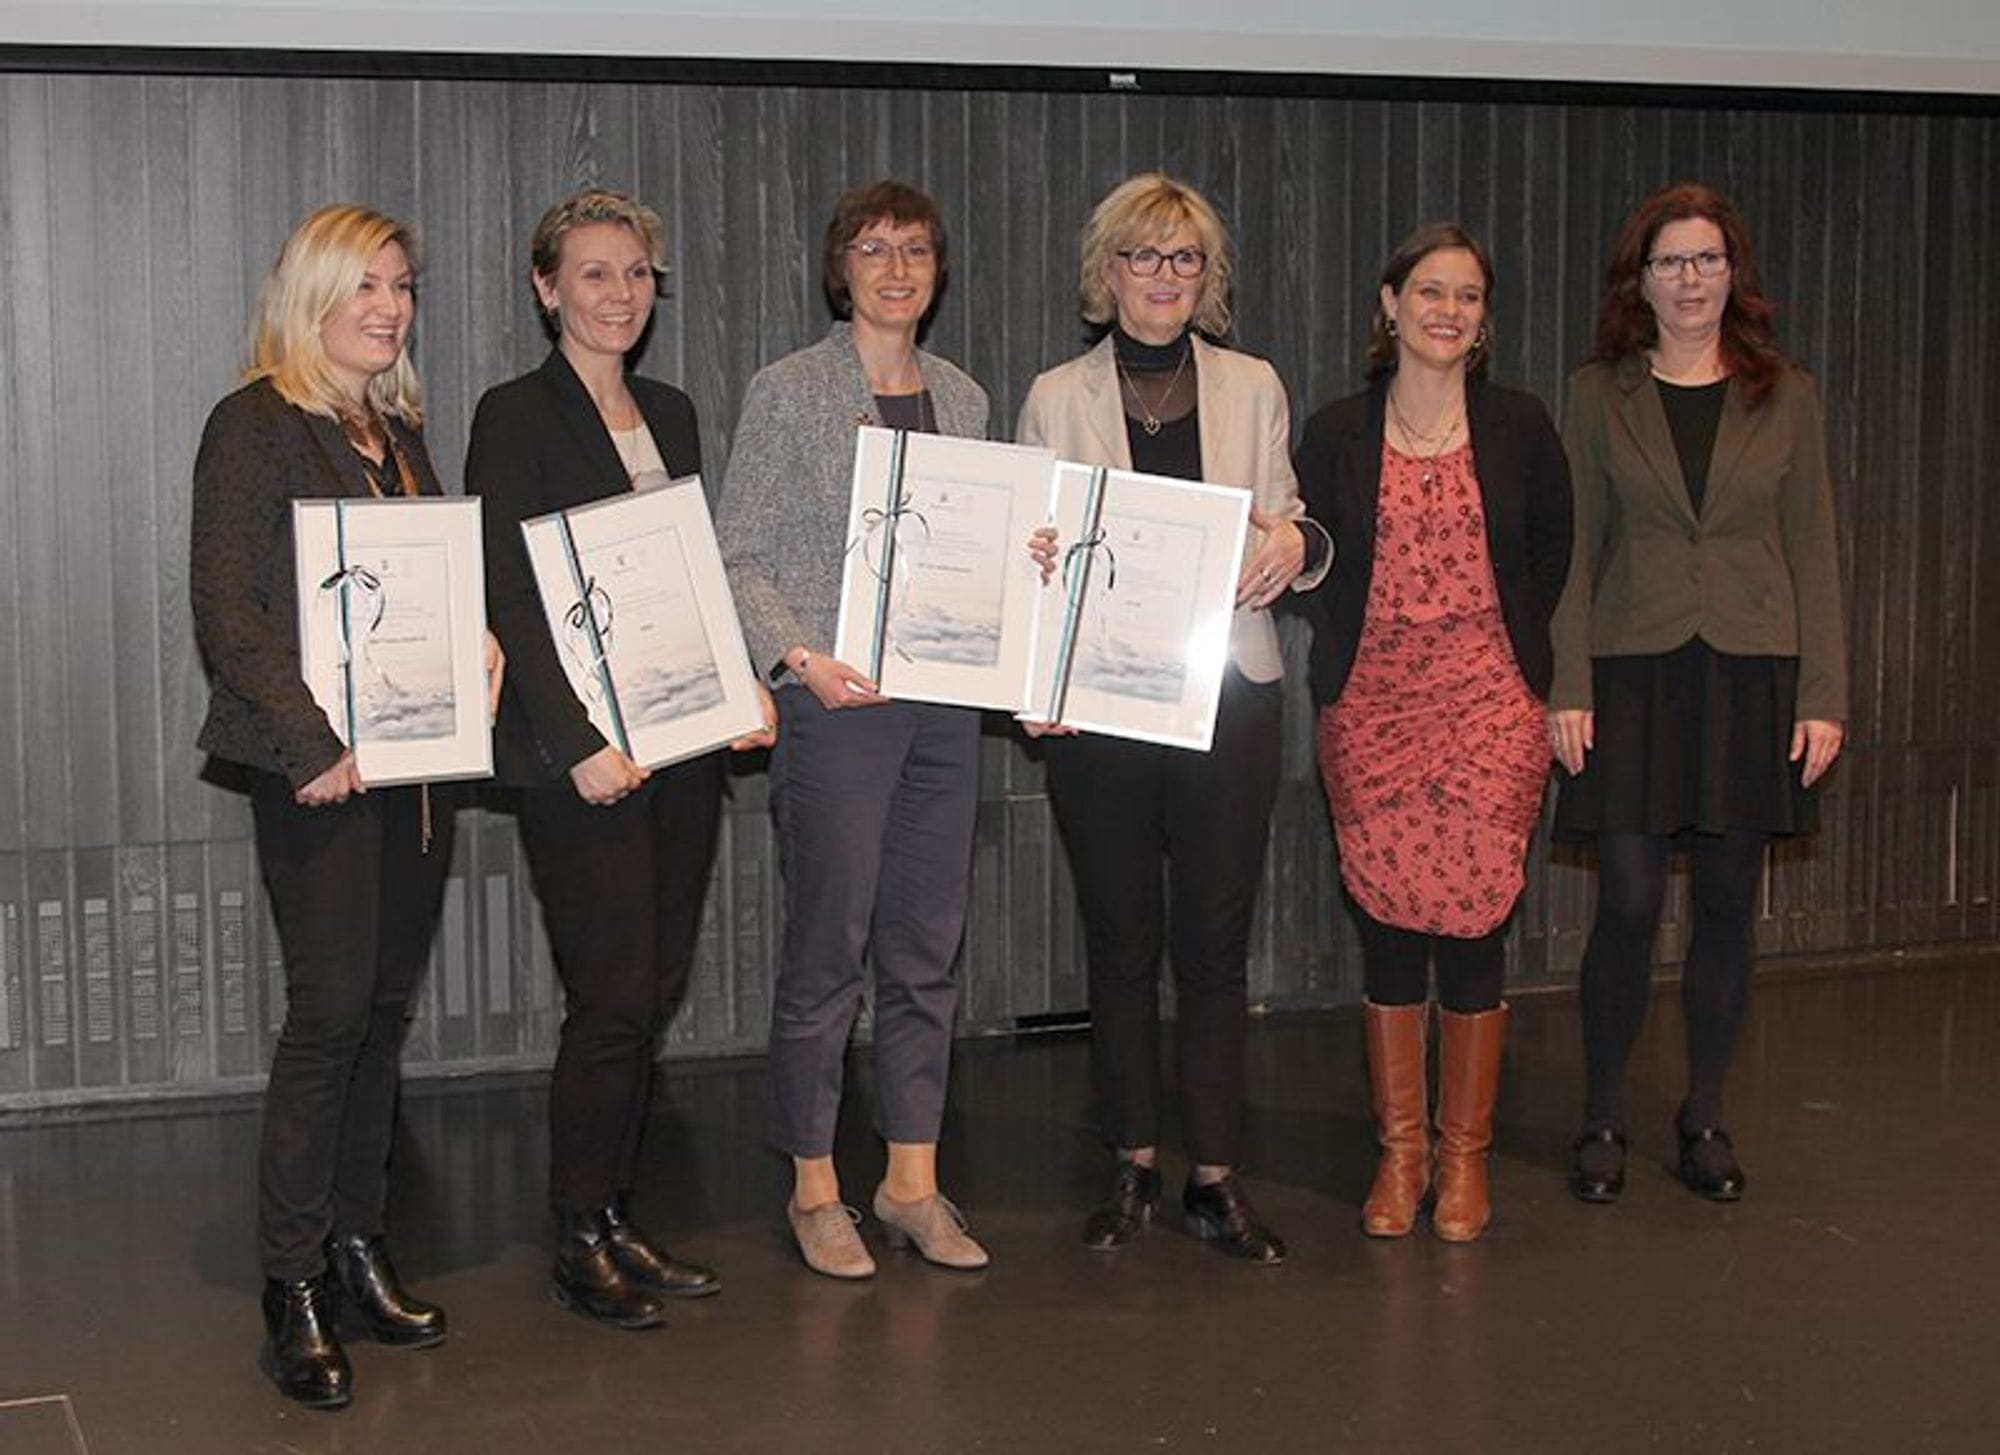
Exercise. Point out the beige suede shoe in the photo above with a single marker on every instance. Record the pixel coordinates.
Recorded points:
(934, 1226)
(829, 1241)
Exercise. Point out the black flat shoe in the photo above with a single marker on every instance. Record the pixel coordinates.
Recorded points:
(301, 1353)
(371, 1296)
(1598, 1174)
(1708, 1162)
(1219, 1213)
(652, 1267)
(1135, 1198)
(588, 1281)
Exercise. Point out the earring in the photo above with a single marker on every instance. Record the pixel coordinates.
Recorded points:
(1481, 340)
(1389, 325)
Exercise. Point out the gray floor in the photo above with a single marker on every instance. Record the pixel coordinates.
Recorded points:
(1850, 1303)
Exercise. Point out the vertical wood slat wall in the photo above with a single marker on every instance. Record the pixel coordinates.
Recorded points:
(137, 215)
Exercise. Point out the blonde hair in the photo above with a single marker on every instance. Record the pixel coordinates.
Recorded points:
(595, 204)
(1144, 211)
(319, 269)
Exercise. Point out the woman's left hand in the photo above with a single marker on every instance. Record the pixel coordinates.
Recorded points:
(1042, 546)
(767, 735)
(1276, 562)
(1817, 741)
(496, 672)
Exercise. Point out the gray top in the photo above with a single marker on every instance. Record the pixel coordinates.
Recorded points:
(782, 521)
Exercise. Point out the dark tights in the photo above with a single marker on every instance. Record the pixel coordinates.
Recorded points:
(1715, 980)
(1395, 966)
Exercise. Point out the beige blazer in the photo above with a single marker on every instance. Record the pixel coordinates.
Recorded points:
(1076, 410)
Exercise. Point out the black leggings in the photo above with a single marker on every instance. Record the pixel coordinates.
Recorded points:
(1715, 980)
(1395, 965)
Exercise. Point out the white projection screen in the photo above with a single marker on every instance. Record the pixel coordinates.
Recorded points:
(1862, 45)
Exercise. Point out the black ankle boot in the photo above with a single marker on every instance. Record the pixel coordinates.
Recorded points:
(654, 1268)
(371, 1294)
(587, 1277)
(301, 1353)
(1135, 1197)
(1219, 1213)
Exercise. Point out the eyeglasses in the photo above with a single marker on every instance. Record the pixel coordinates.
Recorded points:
(1146, 262)
(1666, 267)
(877, 252)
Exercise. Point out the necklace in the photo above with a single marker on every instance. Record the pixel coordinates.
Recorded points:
(1429, 446)
(1148, 420)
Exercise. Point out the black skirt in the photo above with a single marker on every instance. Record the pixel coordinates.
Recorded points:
(1689, 741)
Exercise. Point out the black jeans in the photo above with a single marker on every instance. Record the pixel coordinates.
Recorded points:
(1167, 849)
(621, 890)
(355, 897)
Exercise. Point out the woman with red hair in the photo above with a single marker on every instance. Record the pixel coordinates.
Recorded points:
(1700, 682)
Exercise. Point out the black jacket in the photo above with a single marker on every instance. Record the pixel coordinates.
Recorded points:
(538, 446)
(1523, 486)
(258, 454)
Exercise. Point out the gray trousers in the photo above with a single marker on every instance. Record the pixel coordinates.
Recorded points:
(874, 810)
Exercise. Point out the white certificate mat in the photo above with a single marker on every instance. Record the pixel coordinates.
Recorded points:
(392, 633)
(641, 615)
(937, 591)
(1134, 632)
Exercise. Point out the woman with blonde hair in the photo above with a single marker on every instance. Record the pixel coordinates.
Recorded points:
(1167, 846)
(620, 854)
(332, 408)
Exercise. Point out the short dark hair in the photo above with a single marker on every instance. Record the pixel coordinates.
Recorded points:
(1432, 237)
(859, 209)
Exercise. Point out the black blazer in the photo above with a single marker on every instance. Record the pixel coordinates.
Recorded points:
(1523, 486)
(258, 454)
(538, 445)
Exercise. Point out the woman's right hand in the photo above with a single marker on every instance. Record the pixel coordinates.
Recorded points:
(836, 684)
(334, 785)
(1572, 733)
(606, 776)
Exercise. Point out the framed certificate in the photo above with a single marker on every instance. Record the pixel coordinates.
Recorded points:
(1134, 632)
(392, 633)
(937, 593)
(644, 623)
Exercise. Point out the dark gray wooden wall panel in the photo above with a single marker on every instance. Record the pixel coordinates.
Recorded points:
(137, 216)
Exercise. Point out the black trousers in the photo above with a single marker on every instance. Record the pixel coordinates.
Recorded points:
(1167, 849)
(621, 890)
(355, 897)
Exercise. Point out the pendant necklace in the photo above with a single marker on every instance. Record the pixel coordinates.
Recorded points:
(1149, 421)
(1434, 443)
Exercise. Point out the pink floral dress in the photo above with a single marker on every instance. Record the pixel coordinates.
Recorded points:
(1436, 753)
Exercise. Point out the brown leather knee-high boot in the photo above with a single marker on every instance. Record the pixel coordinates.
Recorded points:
(1468, 1083)
(1396, 1086)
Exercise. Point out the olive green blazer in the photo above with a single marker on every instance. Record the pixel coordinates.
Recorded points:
(1757, 573)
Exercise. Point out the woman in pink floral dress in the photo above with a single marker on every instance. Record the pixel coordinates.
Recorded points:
(1448, 501)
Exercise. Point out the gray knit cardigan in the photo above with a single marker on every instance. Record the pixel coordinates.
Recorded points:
(783, 517)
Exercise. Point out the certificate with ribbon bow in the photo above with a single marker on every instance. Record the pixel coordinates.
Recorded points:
(392, 625)
(938, 590)
(642, 618)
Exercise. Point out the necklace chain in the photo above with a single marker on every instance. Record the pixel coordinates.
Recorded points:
(1431, 445)
(1148, 420)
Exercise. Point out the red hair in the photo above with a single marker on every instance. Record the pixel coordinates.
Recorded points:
(1625, 322)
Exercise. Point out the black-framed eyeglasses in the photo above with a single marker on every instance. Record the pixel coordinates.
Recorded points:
(1147, 262)
(1708, 263)
(878, 251)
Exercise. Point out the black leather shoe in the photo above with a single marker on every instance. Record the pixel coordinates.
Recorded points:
(301, 1353)
(588, 1280)
(1708, 1162)
(654, 1268)
(1598, 1173)
(1135, 1197)
(370, 1294)
(1219, 1213)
